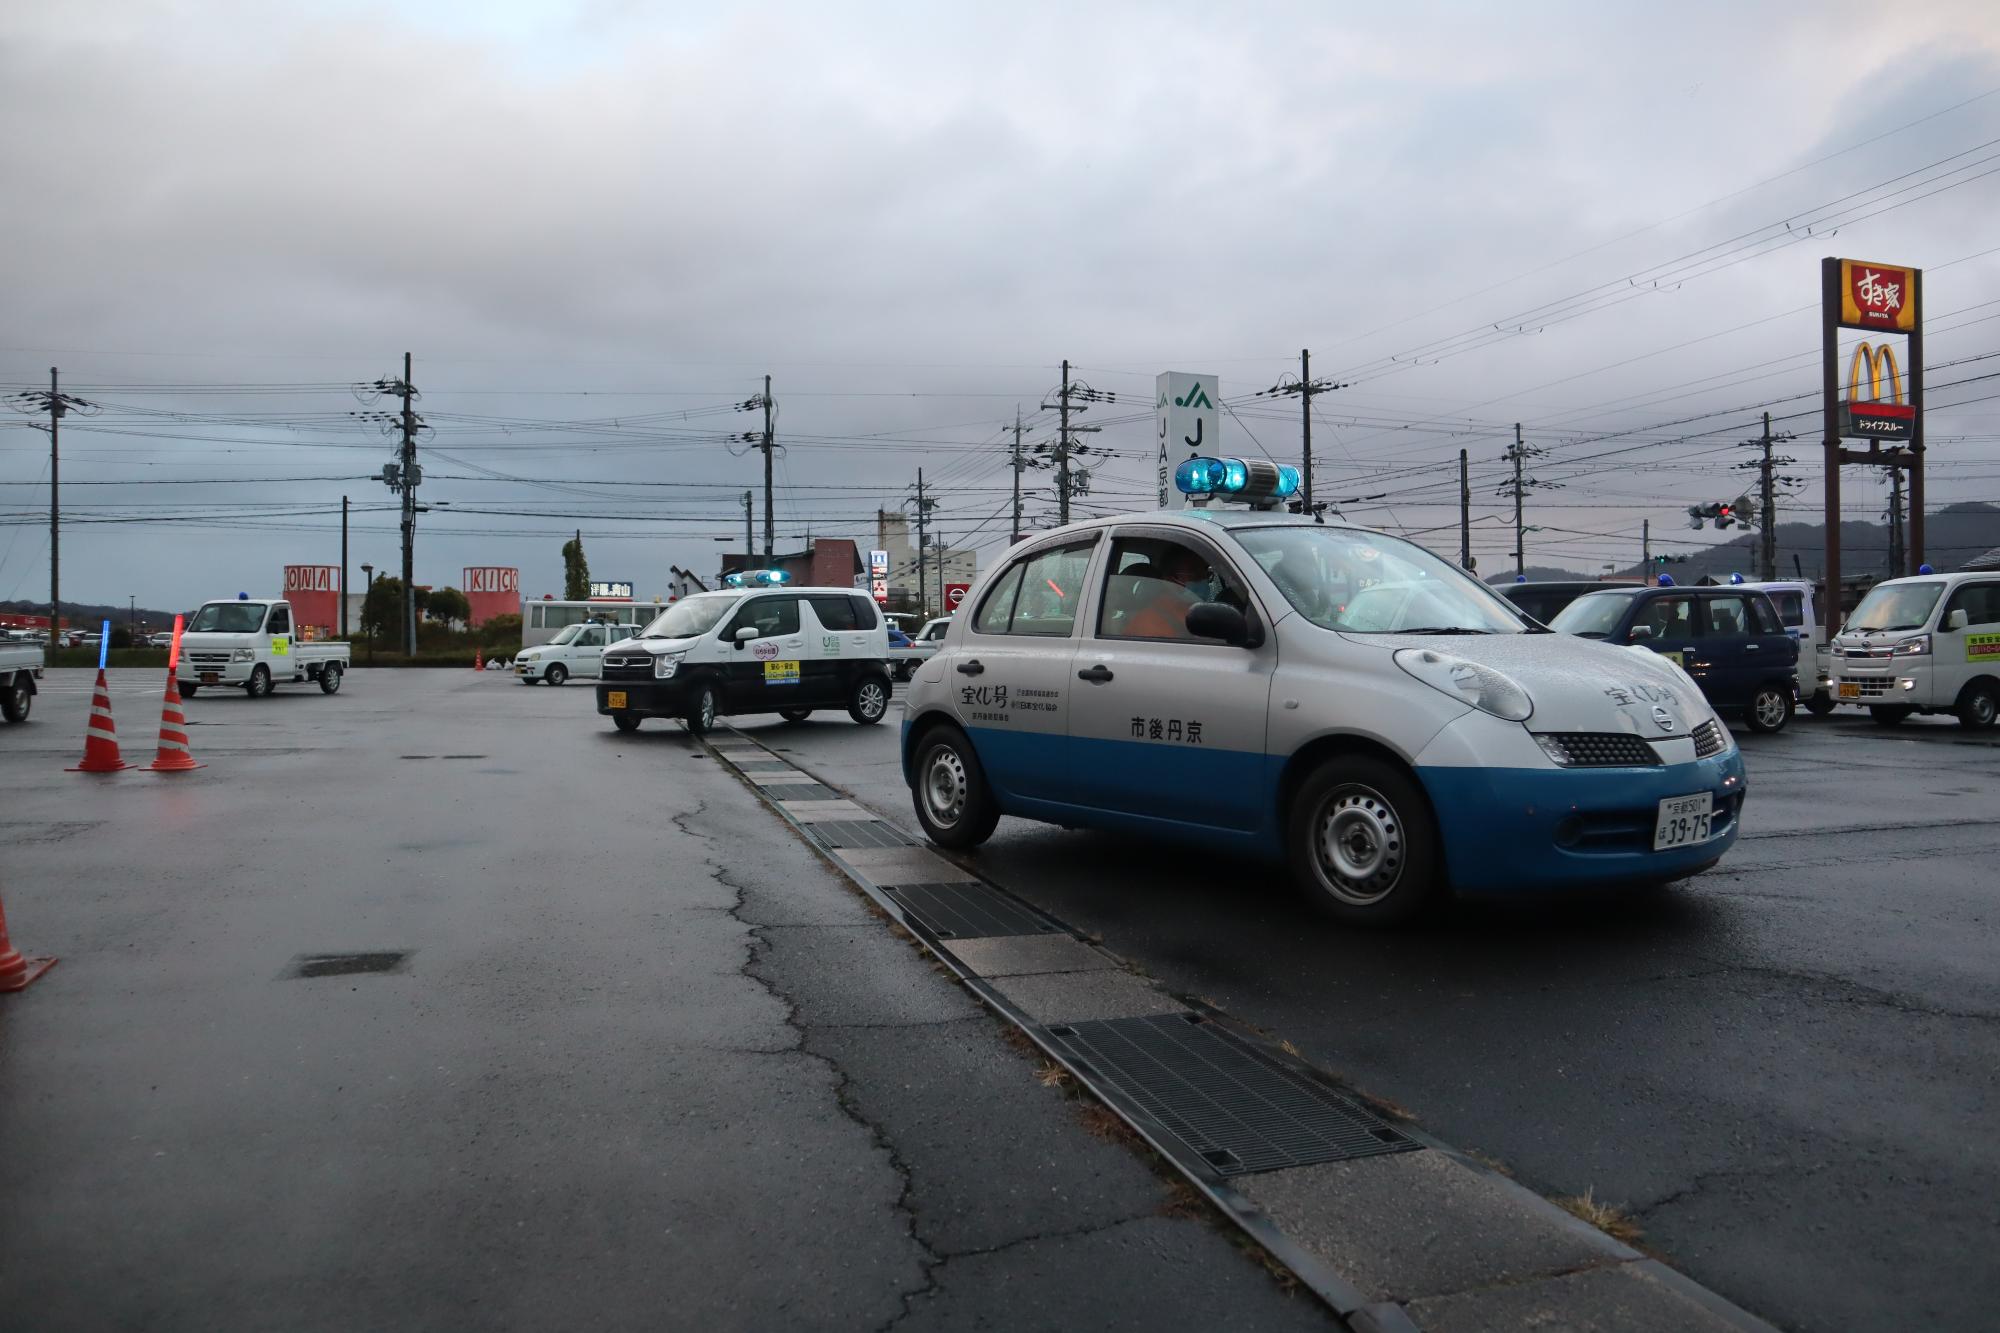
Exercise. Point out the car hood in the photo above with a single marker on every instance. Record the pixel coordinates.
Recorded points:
(189, 639)
(1577, 684)
(653, 646)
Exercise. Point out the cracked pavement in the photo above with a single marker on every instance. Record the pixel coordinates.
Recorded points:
(650, 1061)
(1786, 1070)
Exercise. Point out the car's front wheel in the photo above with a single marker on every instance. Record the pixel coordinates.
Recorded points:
(260, 685)
(795, 714)
(1887, 716)
(953, 803)
(1770, 709)
(1363, 844)
(1977, 706)
(701, 710)
(869, 701)
(188, 689)
(16, 701)
(558, 673)
(625, 721)
(1820, 704)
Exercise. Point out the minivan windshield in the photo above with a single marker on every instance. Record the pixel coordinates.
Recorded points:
(228, 618)
(691, 618)
(1592, 616)
(1891, 606)
(567, 633)
(1367, 583)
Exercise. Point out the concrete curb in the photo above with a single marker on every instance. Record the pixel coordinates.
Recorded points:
(1581, 1268)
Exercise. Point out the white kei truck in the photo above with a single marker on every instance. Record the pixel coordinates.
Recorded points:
(20, 668)
(251, 646)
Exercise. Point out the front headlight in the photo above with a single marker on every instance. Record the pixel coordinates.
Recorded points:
(243, 655)
(529, 657)
(1482, 687)
(665, 665)
(1917, 646)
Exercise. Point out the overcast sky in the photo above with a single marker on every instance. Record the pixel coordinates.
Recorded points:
(595, 224)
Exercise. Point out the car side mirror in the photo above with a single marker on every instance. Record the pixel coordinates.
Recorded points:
(1638, 632)
(1218, 620)
(1957, 619)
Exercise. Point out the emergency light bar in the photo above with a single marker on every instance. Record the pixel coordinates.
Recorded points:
(1256, 480)
(757, 578)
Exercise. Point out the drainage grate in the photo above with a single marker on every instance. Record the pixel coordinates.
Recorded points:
(1234, 1107)
(345, 964)
(801, 791)
(442, 756)
(968, 911)
(858, 833)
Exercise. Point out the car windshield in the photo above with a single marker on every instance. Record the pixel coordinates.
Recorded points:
(228, 618)
(1592, 616)
(1890, 606)
(563, 636)
(1367, 583)
(694, 617)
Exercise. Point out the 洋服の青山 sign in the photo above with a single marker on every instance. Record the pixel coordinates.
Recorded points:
(1878, 296)
(491, 579)
(611, 591)
(1870, 416)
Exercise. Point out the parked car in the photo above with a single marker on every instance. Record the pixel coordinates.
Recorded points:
(1929, 644)
(20, 672)
(1729, 640)
(254, 646)
(1542, 600)
(578, 650)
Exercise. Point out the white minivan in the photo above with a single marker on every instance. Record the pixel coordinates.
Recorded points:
(1929, 644)
(1793, 599)
(577, 651)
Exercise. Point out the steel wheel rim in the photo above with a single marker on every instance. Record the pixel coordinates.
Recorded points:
(1770, 708)
(944, 787)
(1358, 851)
(872, 702)
(707, 709)
(1982, 708)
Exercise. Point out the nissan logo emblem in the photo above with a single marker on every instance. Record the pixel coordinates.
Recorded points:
(1663, 717)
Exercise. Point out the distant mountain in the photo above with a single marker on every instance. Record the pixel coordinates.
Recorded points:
(88, 615)
(1540, 574)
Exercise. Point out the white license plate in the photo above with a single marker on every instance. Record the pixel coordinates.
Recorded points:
(1683, 821)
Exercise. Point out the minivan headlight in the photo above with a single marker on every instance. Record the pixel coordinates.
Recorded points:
(243, 655)
(1484, 688)
(666, 664)
(1916, 646)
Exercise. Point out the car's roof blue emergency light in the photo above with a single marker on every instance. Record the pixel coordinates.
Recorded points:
(756, 578)
(1736, 578)
(1257, 481)
(1666, 580)
(1925, 569)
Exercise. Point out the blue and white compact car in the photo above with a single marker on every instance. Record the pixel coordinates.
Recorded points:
(1314, 693)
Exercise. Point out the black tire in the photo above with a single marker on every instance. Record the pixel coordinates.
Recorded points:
(329, 679)
(1978, 703)
(869, 701)
(261, 684)
(1363, 844)
(900, 672)
(1820, 704)
(625, 721)
(795, 714)
(188, 690)
(16, 702)
(1886, 716)
(1770, 709)
(954, 804)
(557, 673)
(703, 708)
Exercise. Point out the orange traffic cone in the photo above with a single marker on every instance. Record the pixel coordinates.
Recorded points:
(15, 971)
(173, 756)
(478, 660)
(100, 740)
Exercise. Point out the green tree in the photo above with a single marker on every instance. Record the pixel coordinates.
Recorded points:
(448, 605)
(576, 570)
(501, 632)
(382, 609)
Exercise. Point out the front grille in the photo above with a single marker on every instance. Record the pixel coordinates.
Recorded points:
(1709, 738)
(629, 668)
(1602, 749)
(1872, 687)
(209, 659)
(1864, 654)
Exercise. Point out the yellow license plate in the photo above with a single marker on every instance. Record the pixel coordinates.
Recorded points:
(1850, 689)
(614, 698)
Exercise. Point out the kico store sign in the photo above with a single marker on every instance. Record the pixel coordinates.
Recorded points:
(1870, 416)
(1877, 296)
(486, 579)
(611, 592)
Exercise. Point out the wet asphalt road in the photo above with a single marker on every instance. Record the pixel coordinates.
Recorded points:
(1787, 1071)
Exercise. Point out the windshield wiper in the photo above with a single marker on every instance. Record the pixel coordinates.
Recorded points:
(1443, 629)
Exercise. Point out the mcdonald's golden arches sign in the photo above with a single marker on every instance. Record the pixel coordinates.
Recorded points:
(1871, 416)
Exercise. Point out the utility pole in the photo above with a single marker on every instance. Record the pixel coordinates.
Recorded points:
(56, 411)
(1517, 487)
(1062, 449)
(343, 566)
(770, 521)
(923, 513)
(1767, 497)
(1895, 522)
(749, 533)
(1307, 388)
(1464, 511)
(409, 514)
(1645, 549)
(1014, 533)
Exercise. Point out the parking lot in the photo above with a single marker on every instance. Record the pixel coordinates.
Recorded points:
(1784, 1072)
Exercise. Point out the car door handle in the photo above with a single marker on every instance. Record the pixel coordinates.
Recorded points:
(1096, 675)
(971, 668)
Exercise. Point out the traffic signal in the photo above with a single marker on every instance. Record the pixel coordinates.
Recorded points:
(1725, 515)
